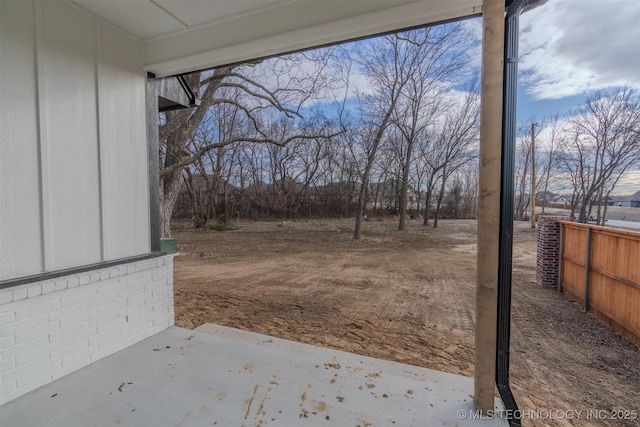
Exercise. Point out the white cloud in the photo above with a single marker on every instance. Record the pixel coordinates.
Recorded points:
(570, 47)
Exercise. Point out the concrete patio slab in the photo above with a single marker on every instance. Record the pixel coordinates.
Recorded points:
(219, 376)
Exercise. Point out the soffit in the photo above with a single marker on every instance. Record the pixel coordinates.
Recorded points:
(186, 35)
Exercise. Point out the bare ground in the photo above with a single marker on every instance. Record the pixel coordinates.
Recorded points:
(407, 297)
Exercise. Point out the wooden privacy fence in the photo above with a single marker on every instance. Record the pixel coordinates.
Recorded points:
(600, 268)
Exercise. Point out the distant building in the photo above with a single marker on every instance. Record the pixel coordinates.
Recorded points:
(632, 201)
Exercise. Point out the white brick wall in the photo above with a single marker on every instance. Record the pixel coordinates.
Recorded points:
(51, 328)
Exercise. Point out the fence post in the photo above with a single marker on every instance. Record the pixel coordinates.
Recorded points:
(587, 273)
(560, 256)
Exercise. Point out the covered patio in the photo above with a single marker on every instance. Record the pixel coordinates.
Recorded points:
(86, 290)
(221, 376)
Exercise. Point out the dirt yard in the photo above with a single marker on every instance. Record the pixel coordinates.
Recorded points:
(407, 297)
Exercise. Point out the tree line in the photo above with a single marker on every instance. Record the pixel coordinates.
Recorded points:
(289, 136)
(583, 154)
(381, 126)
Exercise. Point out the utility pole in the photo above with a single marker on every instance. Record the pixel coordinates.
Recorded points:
(533, 175)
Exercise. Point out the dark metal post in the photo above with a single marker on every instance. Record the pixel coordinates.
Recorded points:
(507, 205)
(154, 162)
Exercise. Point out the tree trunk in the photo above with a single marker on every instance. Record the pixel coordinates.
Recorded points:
(357, 232)
(404, 186)
(440, 197)
(427, 201)
(170, 187)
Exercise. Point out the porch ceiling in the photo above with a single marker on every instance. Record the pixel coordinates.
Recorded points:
(183, 36)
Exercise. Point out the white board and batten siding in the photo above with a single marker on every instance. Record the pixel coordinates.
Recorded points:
(74, 186)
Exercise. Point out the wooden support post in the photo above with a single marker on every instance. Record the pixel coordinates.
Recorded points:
(489, 203)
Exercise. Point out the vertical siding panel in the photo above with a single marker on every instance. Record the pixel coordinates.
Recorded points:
(70, 140)
(21, 250)
(122, 95)
(101, 166)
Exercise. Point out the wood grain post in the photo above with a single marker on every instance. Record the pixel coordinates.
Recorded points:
(489, 203)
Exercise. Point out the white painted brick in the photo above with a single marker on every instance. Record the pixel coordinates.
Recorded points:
(34, 290)
(33, 333)
(7, 387)
(125, 293)
(143, 265)
(38, 306)
(23, 325)
(81, 347)
(35, 354)
(59, 334)
(59, 373)
(135, 279)
(14, 350)
(160, 291)
(25, 370)
(56, 315)
(107, 333)
(7, 317)
(16, 305)
(162, 308)
(131, 310)
(115, 323)
(95, 276)
(154, 300)
(74, 335)
(102, 301)
(112, 344)
(60, 284)
(48, 287)
(7, 364)
(160, 276)
(19, 293)
(55, 367)
(6, 342)
(75, 362)
(138, 298)
(108, 287)
(82, 324)
(78, 296)
(107, 310)
(114, 271)
(5, 296)
(84, 278)
(35, 379)
(73, 281)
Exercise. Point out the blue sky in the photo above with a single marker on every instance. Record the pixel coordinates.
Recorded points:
(571, 48)
(568, 50)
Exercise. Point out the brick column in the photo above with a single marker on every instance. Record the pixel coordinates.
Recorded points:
(548, 249)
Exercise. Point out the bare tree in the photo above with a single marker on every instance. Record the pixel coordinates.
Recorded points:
(551, 158)
(403, 70)
(279, 86)
(604, 143)
(457, 140)
(441, 59)
(387, 63)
